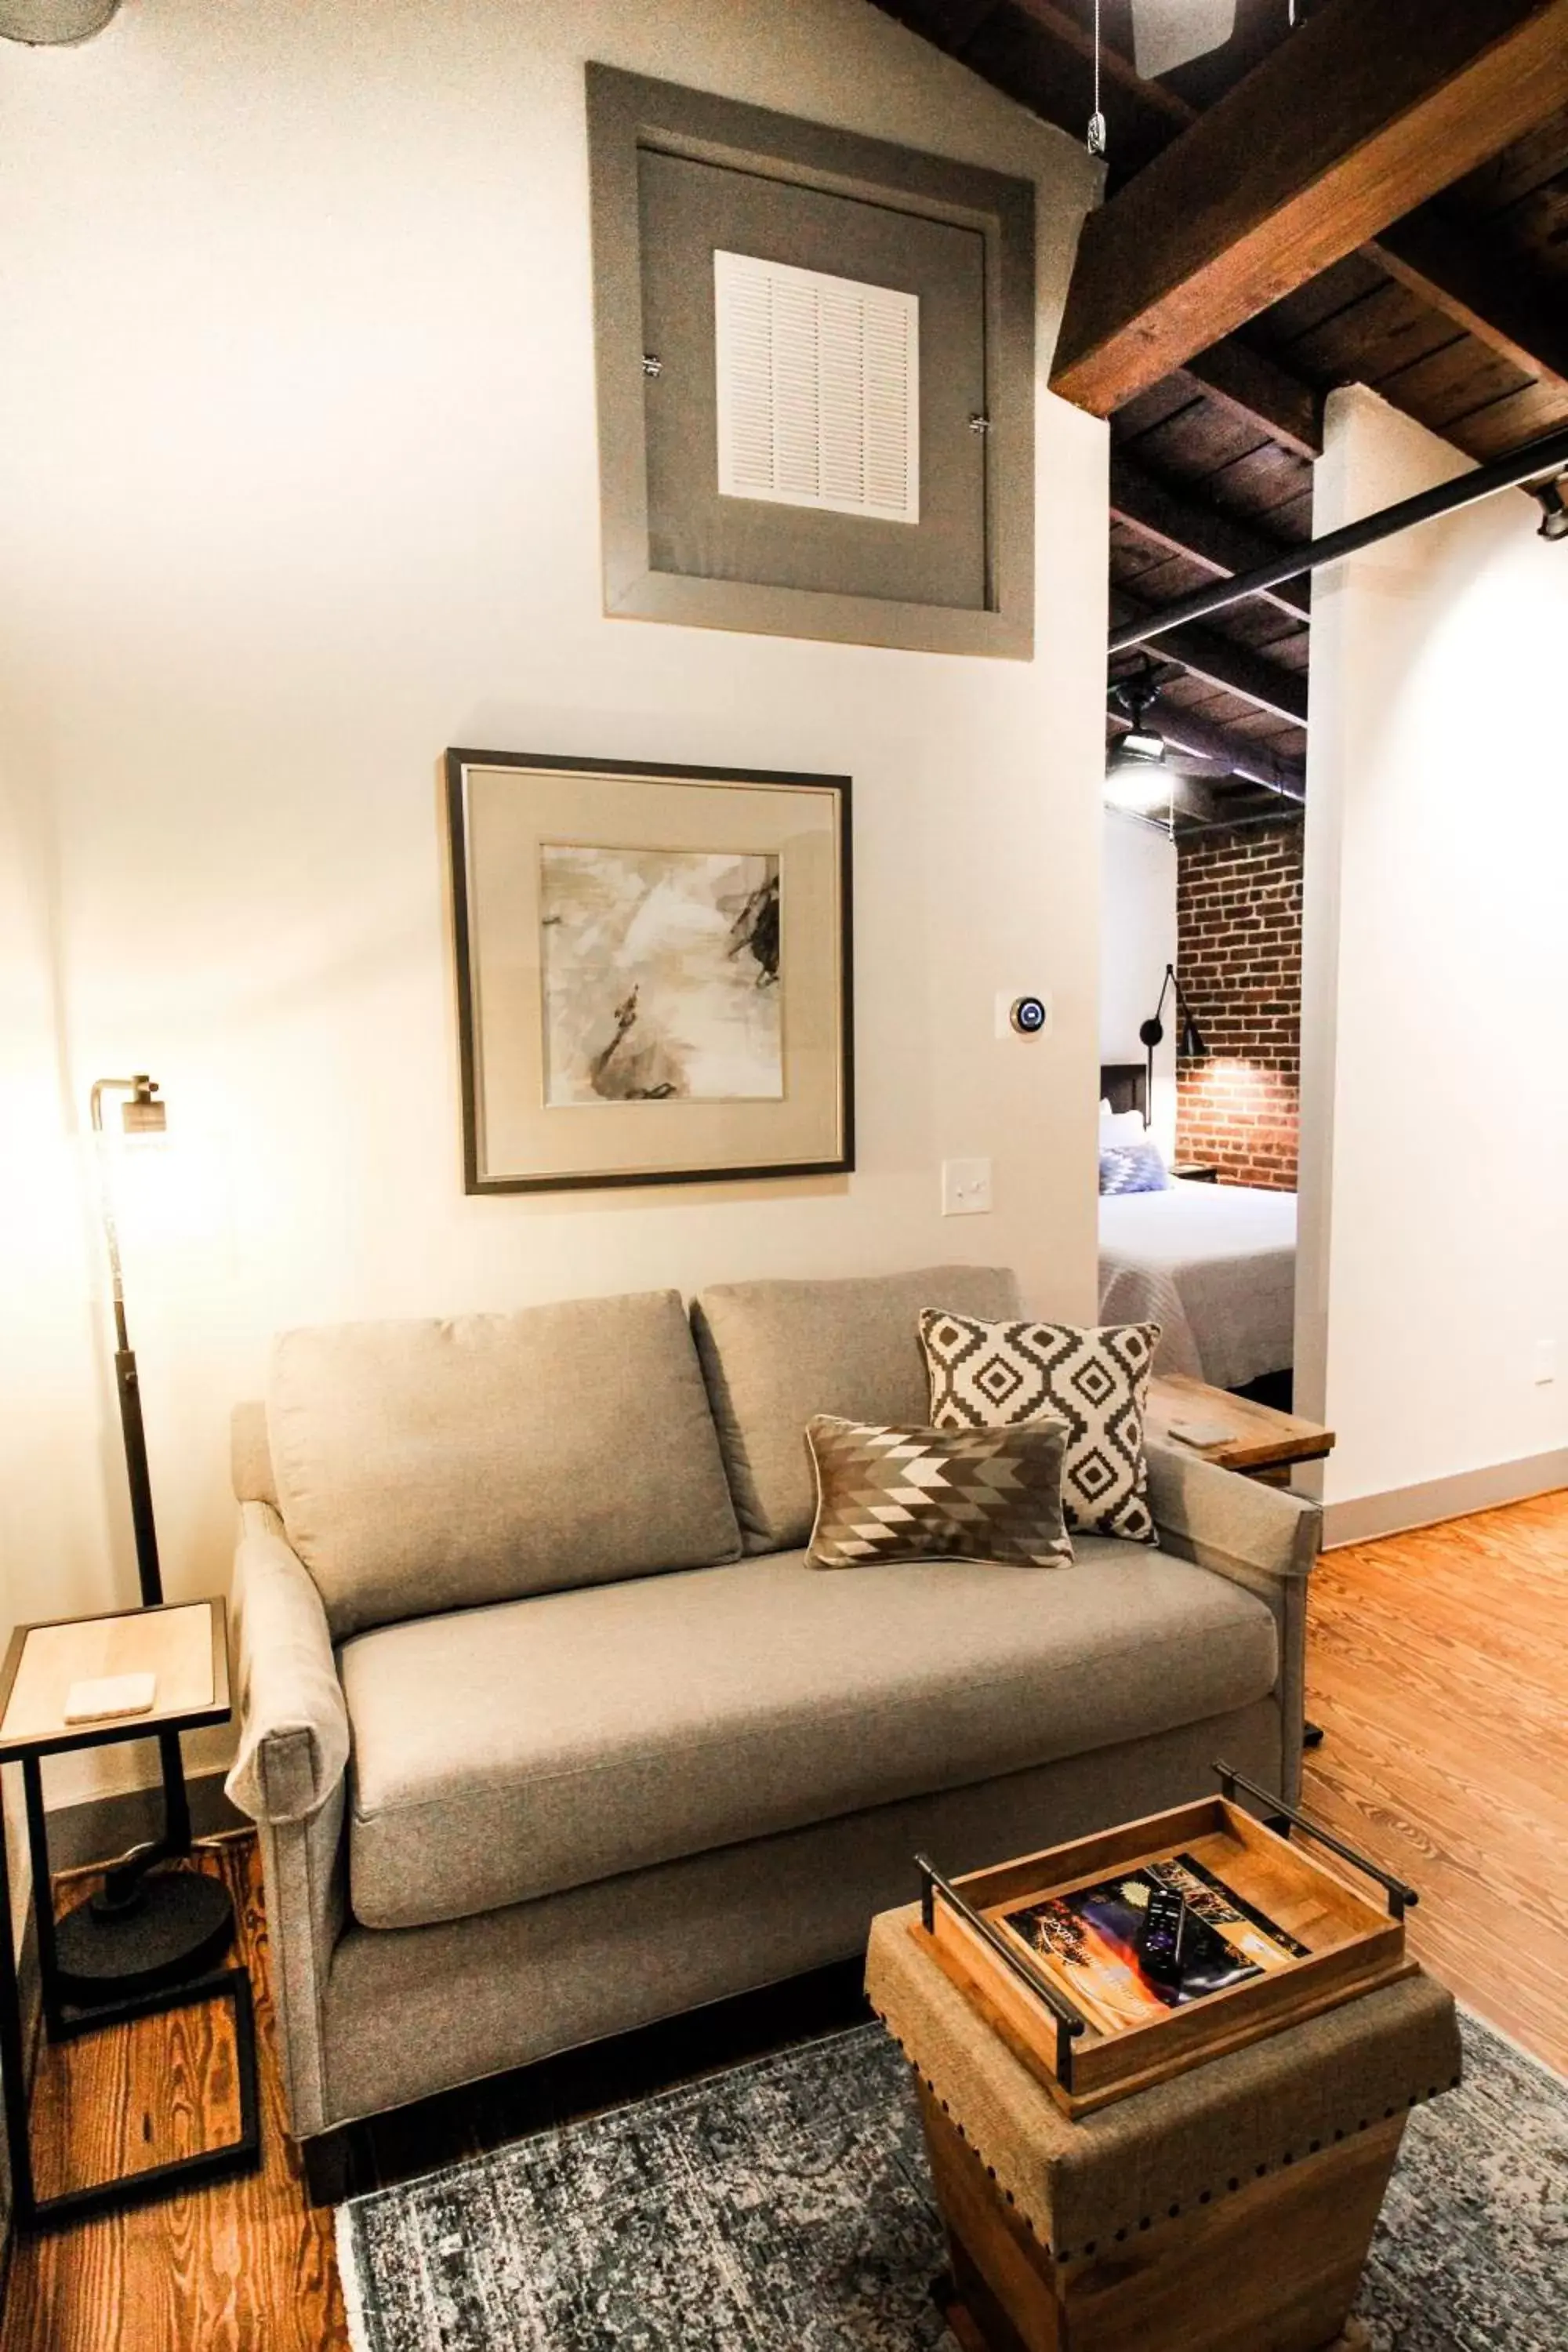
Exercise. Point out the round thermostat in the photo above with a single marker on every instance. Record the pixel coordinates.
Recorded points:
(1027, 1014)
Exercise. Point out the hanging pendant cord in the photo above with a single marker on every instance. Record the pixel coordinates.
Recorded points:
(1095, 140)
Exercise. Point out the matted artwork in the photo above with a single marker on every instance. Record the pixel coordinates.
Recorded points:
(653, 972)
(661, 974)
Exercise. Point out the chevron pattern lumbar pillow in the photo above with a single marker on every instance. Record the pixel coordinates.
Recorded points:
(926, 1494)
(999, 1375)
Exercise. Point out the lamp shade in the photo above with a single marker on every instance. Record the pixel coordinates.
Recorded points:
(143, 1112)
(1190, 1045)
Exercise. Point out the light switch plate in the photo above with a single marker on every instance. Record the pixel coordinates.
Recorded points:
(965, 1188)
(1545, 1362)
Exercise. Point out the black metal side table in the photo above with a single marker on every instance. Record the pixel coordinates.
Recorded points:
(184, 1645)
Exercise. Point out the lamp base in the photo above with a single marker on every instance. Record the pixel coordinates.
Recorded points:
(179, 1923)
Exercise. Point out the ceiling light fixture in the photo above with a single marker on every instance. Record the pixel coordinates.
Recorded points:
(1145, 768)
(49, 24)
(1171, 33)
(1140, 787)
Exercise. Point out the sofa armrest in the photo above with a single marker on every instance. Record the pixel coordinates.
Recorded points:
(1236, 1526)
(293, 1723)
(1259, 1537)
(290, 1777)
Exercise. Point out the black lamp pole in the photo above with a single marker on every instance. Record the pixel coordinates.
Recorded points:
(140, 1931)
(142, 1113)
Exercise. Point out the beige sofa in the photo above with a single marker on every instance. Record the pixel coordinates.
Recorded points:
(548, 1730)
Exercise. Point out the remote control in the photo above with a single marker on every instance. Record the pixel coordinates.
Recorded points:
(1159, 1936)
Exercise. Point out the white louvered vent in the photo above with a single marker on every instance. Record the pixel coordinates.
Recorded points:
(818, 390)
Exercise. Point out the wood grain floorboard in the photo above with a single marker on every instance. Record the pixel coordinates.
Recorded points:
(1439, 1670)
(245, 2266)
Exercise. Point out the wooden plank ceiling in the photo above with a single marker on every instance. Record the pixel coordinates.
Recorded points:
(1456, 310)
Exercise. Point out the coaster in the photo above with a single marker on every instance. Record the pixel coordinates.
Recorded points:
(103, 1698)
(1200, 1433)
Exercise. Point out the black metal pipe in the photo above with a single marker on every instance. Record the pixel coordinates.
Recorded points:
(1288, 813)
(1548, 456)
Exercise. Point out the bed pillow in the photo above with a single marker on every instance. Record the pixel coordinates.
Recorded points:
(1122, 1127)
(886, 1494)
(1132, 1167)
(998, 1375)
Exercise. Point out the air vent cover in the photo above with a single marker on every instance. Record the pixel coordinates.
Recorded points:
(818, 390)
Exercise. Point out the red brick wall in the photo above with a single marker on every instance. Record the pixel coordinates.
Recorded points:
(1238, 927)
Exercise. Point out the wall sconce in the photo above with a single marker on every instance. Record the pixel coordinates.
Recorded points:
(1190, 1045)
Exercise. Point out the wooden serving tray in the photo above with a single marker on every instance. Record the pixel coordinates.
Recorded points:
(1352, 1947)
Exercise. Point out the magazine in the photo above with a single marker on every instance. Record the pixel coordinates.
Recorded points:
(1088, 1942)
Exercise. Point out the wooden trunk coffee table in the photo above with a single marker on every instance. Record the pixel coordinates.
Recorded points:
(1227, 2208)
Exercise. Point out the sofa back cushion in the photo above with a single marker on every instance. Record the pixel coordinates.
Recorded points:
(774, 1353)
(430, 1466)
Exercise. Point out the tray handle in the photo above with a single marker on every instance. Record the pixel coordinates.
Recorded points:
(1070, 2022)
(1401, 1897)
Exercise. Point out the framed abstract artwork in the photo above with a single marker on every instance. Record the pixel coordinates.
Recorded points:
(654, 971)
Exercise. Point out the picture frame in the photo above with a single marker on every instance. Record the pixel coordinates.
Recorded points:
(654, 971)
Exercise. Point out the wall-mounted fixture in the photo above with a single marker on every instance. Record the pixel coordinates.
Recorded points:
(1190, 1045)
(51, 23)
(1553, 509)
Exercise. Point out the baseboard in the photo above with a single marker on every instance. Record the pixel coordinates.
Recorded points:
(102, 1827)
(1363, 1517)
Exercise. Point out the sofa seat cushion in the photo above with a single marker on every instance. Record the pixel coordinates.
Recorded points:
(774, 1353)
(509, 1752)
(423, 1466)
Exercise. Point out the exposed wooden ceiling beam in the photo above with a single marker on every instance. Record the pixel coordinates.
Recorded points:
(1220, 661)
(1216, 541)
(1258, 391)
(1480, 289)
(1369, 109)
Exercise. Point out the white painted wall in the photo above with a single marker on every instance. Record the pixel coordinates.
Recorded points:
(1136, 940)
(1435, 1119)
(299, 477)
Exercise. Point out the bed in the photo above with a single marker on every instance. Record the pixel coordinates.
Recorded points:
(1214, 1264)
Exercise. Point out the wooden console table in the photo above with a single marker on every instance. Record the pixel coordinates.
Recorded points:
(1259, 1442)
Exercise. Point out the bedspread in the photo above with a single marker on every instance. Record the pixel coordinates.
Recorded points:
(1214, 1266)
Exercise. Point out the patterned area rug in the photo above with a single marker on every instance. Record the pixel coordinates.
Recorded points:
(785, 2207)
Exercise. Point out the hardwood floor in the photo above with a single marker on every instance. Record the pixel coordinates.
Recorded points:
(246, 2266)
(1439, 1670)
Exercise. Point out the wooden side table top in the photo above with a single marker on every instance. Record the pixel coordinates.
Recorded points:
(1258, 1438)
(182, 1644)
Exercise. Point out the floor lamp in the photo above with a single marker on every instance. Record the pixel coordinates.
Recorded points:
(144, 1929)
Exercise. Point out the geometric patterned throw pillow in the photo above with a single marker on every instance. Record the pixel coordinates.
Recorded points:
(1132, 1167)
(888, 1494)
(986, 1375)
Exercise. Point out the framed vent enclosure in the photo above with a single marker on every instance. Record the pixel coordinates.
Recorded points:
(816, 377)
